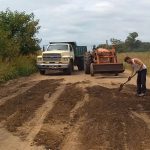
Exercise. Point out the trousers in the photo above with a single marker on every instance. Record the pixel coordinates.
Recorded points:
(141, 81)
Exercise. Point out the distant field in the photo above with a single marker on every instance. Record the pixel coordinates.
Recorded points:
(144, 56)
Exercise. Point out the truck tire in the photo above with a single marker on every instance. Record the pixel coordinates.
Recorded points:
(80, 67)
(79, 61)
(42, 72)
(80, 64)
(87, 62)
(69, 70)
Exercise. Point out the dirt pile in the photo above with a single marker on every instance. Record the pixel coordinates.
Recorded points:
(19, 109)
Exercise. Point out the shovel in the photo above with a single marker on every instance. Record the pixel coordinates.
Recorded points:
(122, 85)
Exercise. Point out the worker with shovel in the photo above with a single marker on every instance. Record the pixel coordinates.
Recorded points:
(139, 68)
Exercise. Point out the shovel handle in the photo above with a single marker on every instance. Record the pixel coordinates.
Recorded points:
(131, 78)
(133, 74)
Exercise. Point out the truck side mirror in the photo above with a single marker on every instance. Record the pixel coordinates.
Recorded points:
(43, 49)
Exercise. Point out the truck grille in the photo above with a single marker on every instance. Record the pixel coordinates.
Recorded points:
(51, 57)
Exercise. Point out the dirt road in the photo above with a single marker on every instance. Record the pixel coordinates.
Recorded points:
(78, 112)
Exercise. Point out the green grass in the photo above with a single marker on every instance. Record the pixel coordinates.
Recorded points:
(144, 56)
(20, 66)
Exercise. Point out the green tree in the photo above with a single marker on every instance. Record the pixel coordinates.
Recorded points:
(19, 30)
(119, 45)
(132, 42)
(9, 48)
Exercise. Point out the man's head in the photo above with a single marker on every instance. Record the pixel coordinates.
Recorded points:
(128, 60)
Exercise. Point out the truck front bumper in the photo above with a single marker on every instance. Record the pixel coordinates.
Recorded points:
(52, 66)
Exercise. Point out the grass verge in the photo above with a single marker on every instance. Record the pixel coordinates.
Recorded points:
(20, 66)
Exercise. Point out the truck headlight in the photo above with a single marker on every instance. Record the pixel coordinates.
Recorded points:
(65, 59)
(39, 59)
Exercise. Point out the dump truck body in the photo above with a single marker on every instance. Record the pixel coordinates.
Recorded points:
(80, 51)
(79, 56)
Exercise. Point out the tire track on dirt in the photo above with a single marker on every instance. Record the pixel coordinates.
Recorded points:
(10, 142)
(71, 141)
(36, 124)
(39, 108)
(59, 121)
(15, 86)
(21, 108)
(18, 91)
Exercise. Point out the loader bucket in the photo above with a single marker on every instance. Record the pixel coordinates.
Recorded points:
(106, 68)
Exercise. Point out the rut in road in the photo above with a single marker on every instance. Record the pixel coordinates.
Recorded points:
(37, 122)
(61, 118)
(16, 111)
(71, 141)
(28, 108)
(9, 93)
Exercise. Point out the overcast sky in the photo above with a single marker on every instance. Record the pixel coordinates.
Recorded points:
(86, 21)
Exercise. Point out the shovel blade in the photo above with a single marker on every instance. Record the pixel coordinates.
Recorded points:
(121, 87)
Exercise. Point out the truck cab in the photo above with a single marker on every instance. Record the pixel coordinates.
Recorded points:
(58, 56)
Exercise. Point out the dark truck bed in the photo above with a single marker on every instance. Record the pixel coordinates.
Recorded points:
(79, 56)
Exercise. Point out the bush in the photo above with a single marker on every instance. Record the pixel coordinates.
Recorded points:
(25, 66)
(20, 66)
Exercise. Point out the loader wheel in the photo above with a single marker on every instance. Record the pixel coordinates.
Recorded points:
(87, 62)
(91, 69)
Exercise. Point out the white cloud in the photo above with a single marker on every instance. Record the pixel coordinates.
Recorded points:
(86, 22)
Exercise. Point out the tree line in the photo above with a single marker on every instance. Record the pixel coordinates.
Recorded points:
(18, 32)
(130, 44)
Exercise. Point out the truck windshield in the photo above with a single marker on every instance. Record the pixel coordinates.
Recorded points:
(57, 47)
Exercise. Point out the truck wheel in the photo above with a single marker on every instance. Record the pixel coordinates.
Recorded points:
(69, 70)
(80, 64)
(91, 69)
(87, 62)
(81, 67)
(42, 72)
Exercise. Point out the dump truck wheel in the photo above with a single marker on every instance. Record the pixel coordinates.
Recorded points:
(42, 72)
(87, 62)
(81, 67)
(80, 64)
(69, 70)
(91, 69)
